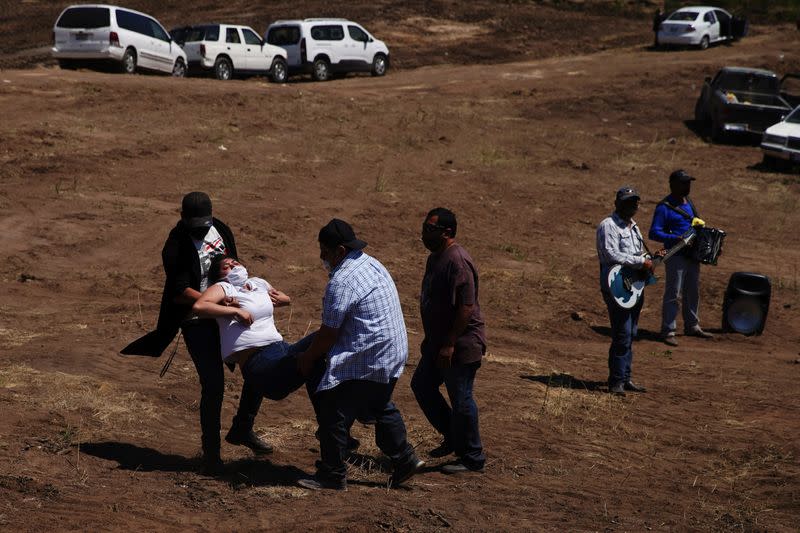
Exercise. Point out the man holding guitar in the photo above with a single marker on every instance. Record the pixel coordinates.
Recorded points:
(619, 242)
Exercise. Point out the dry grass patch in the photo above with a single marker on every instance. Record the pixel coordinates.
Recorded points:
(68, 393)
(11, 338)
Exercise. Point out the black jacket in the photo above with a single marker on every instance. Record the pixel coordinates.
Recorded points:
(182, 267)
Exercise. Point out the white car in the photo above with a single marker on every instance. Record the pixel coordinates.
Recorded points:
(96, 32)
(782, 140)
(700, 26)
(324, 47)
(230, 50)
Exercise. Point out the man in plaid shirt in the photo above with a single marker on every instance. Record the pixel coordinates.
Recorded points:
(363, 335)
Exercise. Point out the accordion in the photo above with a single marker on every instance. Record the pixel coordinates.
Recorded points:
(707, 245)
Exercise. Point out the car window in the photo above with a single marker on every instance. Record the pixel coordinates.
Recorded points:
(251, 37)
(133, 22)
(327, 33)
(721, 15)
(748, 82)
(283, 35)
(709, 17)
(794, 116)
(85, 17)
(232, 35)
(357, 34)
(203, 33)
(684, 16)
(157, 31)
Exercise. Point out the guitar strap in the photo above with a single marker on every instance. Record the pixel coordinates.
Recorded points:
(680, 211)
(641, 240)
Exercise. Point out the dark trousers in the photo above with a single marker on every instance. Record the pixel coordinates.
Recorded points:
(339, 407)
(457, 422)
(202, 341)
(624, 327)
(272, 371)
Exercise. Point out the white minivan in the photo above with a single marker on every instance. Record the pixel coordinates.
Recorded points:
(97, 32)
(324, 47)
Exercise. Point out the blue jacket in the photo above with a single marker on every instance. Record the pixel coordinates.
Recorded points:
(668, 225)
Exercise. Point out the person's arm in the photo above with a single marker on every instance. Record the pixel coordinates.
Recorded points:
(279, 299)
(210, 304)
(463, 312)
(659, 229)
(323, 341)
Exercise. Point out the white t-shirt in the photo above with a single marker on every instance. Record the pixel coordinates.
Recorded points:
(209, 246)
(254, 298)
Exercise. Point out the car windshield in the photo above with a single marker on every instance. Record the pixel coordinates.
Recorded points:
(85, 17)
(203, 33)
(794, 116)
(749, 82)
(684, 16)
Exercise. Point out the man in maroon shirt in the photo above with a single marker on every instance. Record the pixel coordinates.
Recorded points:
(453, 346)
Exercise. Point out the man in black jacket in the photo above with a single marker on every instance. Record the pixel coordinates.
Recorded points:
(186, 255)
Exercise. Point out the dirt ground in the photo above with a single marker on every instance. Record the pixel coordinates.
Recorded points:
(527, 143)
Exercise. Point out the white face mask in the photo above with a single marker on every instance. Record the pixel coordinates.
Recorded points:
(326, 265)
(237, 276)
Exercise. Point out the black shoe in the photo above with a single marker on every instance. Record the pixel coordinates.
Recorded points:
(212, 466)
(460, 468)
(618, 389)
(405, 471)
(318, 483)
(443, 450)
(249, 439)
(633, 387)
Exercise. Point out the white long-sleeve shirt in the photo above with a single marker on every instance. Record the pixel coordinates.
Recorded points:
(618, 242)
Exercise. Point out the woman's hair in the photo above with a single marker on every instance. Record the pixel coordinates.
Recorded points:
(214, 269)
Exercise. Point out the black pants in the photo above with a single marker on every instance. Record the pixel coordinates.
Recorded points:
(339, 407)
(202, 341)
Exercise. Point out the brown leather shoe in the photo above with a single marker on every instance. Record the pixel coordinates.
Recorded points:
(669, 339)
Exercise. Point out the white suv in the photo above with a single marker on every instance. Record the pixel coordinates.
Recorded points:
(86, 33)
(324, 47)
(230, 50)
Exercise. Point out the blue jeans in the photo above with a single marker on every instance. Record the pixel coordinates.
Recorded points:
(202, 341)
(457, 422)
(340, 406)
(273, 370)
(624, 327)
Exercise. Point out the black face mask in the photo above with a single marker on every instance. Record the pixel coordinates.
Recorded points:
(198, 233)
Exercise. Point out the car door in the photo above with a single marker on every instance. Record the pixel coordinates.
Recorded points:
(160, 46)
(712, 26)
(360, 50)
(257, 58)
(328, 39)
(288, 38)
(235, 48)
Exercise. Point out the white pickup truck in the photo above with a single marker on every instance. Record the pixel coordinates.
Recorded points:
(234, 50)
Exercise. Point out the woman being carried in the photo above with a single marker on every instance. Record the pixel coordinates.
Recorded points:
(243, 308)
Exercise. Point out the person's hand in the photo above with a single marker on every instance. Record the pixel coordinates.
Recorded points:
(648, 264)
(305, 365)
(277, 297)
(230, 301)
(445, 357)
(661, 253)
(243, 317)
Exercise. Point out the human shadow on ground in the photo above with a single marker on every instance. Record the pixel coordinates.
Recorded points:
(566, 381)
(142, 459)
(642, 334)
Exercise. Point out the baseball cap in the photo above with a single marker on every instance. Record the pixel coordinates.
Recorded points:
(626, 193)
(338, 232)
(681, 175)
(196, 210)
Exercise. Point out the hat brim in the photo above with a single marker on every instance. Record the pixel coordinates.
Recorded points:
(628, 197)
(355, 244)
(199, 222)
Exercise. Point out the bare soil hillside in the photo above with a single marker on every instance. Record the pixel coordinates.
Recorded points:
(526, 142)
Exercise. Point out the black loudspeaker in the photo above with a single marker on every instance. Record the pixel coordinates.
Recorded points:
(746, 303)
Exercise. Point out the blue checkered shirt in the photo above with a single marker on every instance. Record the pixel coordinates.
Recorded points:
(361, 301)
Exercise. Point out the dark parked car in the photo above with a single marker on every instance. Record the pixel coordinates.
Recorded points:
(743, 100)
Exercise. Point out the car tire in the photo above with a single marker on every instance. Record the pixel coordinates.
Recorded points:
(321, 70)
(279, 73)
(700, 115)
(704, 42)
(379, 65)
(129, 61)
(223, 68)
(68, 64)
(179, 68)
(717, 133)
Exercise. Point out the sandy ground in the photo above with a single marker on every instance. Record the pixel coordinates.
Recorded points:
(528, 151)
